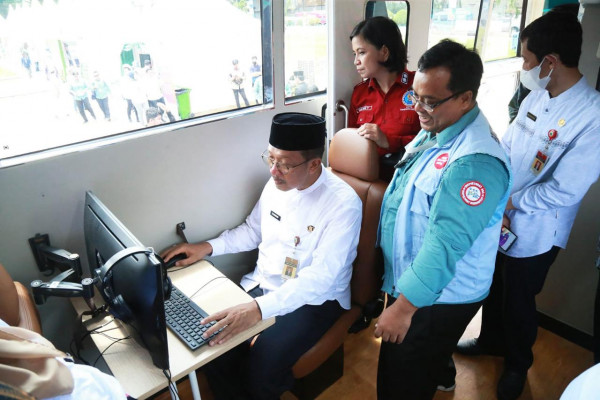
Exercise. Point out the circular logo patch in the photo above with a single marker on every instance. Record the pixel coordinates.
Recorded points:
(406, 99)
(441, 161)
(472, 193)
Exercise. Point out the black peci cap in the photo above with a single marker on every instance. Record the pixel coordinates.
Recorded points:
(297, 131)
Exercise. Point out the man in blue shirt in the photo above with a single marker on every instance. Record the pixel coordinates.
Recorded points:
(440, 225)
(553, 148)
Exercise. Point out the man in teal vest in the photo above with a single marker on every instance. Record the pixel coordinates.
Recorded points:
(440, 225)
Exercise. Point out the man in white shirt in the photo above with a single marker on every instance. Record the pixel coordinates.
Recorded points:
(553, 148)
(306, 226)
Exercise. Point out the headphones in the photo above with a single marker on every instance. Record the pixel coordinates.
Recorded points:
(103, 278)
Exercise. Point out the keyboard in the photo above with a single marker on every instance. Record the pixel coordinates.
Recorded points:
(183, 318)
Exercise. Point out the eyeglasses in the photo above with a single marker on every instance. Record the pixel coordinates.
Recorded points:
(431, 107)
(283, 169)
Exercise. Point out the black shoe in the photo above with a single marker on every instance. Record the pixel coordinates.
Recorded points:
(511, 385)
(447, 386)
(447, 379)
(472, 347)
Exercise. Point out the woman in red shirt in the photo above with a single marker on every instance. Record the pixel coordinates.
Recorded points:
(380, 107)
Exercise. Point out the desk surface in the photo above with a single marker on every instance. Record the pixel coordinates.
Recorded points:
(131, 364)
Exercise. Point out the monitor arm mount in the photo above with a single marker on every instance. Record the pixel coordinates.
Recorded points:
(47, 258)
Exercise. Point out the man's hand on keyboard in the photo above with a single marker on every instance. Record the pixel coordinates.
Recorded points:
(232, 321)
(193, 251)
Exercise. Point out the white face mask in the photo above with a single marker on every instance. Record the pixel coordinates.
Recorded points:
(531, 79)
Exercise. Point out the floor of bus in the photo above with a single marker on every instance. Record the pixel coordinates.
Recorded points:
(557, 362)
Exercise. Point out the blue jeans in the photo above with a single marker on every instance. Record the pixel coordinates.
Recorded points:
(103, 103)
(84, 104)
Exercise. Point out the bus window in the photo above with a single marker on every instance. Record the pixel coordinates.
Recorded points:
(80, 71)
(305, 41)
(498, 35)
(395, 10)
(453, 20)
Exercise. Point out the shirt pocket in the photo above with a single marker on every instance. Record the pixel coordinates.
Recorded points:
(365, 117)
(420, 209)
(423, 193)
(407, 117)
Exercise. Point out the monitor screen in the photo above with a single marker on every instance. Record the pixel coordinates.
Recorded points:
(135, 286)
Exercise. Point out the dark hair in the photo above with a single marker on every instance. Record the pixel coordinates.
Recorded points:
(382, 31)
(152, 112)
(465, 65)
(555, 32)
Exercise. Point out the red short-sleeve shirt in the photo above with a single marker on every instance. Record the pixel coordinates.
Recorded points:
(393, 112)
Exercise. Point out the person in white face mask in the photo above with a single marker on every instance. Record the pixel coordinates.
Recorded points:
(553, 149)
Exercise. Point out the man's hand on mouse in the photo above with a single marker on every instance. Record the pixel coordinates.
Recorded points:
(194, 252)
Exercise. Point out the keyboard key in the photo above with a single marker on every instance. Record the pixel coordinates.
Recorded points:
(183, 318)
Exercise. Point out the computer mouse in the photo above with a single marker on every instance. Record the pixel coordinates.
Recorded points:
(174, 259)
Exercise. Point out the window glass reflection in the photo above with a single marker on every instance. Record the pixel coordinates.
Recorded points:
(76, 70)
(305, 47)
(499, 29)
(454, 19)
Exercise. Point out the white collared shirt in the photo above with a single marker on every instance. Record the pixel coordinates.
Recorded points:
(326, 217)
(547, 203)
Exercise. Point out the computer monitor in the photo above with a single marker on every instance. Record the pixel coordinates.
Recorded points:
(135, 283)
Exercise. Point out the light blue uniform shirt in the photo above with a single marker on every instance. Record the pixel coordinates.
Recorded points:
(453, 225)
(547, 202)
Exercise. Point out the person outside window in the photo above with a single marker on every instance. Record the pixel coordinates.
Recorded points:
(79, 90)
(100, 91)
(154, 92)
(236, 78)
(256, 75)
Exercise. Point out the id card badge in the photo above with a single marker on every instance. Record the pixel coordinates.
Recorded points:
(539, 162)
(290, 266)
(541, 158)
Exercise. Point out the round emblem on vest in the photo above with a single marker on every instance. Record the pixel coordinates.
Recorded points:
(441, 161)
(406, 100)
(472, 193)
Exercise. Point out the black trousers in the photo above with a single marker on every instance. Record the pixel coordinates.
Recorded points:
(237, 93)
(412, 369)
(509, 319)
(264, 370)
(597, 325)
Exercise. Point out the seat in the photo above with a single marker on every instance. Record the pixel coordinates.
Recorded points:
(355, 160)
(17, 307)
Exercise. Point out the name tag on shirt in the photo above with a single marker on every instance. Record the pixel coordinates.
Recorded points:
(290, 266)
(539, 161)
(531, 116)
(275, 215)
